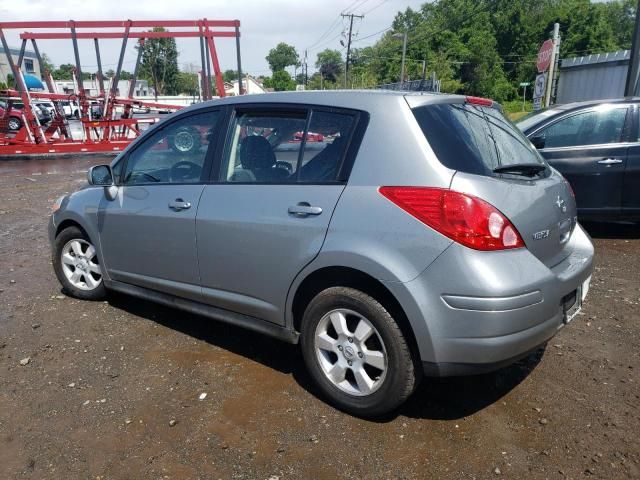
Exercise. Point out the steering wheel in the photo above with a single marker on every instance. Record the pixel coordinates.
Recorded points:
(184, 170)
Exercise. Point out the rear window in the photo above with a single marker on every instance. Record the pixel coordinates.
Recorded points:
(473, 139)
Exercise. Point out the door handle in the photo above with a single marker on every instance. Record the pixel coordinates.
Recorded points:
(609, 161)
(179, 204)
(303, 209)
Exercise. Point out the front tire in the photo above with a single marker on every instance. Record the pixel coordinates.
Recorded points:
(356, 353)
(14, 124)
(76, 264)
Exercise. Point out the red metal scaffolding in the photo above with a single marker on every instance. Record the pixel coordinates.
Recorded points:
(111, 132)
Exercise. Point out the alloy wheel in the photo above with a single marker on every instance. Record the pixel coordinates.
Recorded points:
(80, 264)
(350, 352)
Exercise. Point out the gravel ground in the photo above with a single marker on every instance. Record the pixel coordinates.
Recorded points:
(127, 389)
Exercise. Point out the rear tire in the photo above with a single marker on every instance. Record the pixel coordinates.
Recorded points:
(76, 264)
(364, 366)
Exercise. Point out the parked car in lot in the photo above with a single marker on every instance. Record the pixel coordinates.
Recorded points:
(428, 237)
(596, 146)
(71, 109)
(15, 121)
(96, 110)
(42, 113)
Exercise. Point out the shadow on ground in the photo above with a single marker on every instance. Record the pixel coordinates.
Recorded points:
(612, 230)
(436, 398)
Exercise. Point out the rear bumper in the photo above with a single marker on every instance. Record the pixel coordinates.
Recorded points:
(474, 312)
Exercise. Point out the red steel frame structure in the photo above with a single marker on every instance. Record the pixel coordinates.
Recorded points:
(107, 134)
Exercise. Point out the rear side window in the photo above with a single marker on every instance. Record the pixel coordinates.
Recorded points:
(473, 139)
(592, 127)
(281, 147)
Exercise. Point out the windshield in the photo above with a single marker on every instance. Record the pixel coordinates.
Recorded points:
(474, 139)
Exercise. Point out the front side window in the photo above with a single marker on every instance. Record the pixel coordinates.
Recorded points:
(173, 154)
(593, 127)
(28, 65)
(287, 147)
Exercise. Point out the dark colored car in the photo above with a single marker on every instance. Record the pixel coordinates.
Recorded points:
(96, 110)
(596, 146)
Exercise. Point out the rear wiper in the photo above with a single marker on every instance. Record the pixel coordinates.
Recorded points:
(526, 169)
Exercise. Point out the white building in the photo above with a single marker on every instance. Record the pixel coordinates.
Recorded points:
(249, 84)
(30, 63)
(91, 87)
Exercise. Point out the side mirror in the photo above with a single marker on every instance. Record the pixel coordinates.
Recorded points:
(538, 141)
(100, 175)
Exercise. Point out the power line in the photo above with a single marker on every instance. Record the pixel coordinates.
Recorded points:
(332, 27)
(377, 6)
(372, 35)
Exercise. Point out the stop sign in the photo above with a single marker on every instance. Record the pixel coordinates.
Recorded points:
(544, 56)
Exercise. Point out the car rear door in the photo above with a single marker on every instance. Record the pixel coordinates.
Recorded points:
(266, 215)
(631, 183)
(148, 233)
(589, 148)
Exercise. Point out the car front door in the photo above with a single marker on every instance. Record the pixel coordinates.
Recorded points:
(147, 232)
(268, 214)
(589, 148)
(631, 187)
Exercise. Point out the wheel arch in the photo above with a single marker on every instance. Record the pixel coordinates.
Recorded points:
(333, 276)
(70, 223)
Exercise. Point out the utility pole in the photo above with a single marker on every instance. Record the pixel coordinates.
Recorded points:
(631, 87)
(306, 70)
(553, 66)
(346, 66)
(403, 36)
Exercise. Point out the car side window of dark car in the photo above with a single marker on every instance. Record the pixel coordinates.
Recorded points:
(174, 154)
(283, 147)
(590, 127)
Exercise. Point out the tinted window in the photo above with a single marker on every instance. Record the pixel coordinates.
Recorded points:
(325, 146)
(473, 139)
(592, 127)
(173, 154)
(265, 147)
(277, 147)
(511, 145)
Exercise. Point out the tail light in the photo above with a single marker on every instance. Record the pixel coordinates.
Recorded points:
(464, 218)
(482, 102)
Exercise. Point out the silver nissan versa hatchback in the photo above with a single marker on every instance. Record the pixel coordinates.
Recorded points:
(392, 235)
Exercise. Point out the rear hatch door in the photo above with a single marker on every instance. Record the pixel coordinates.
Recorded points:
(497, 163)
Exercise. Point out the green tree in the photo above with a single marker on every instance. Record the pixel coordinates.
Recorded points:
(63, 72)
(46, 65)
(159, 64)
(330, 64)
(230, 75)
(187, 83)
(281, 57)
(280, 81)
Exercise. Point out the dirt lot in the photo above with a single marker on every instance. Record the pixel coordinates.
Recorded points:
(111, 390)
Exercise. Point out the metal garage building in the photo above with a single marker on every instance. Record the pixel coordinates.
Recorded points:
(593, 77)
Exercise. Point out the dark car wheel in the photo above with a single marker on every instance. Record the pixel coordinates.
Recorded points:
(76, 264)
(185, 140)
(356, 353)
(14, 123)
